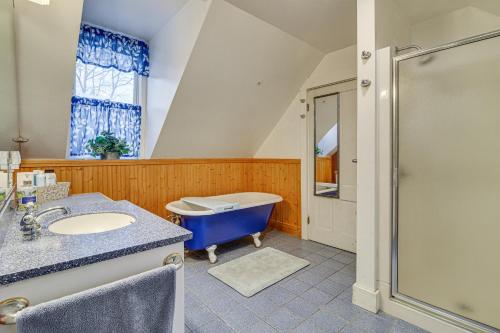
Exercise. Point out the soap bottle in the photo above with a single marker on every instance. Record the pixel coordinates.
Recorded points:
(40, 179)
(50, 178)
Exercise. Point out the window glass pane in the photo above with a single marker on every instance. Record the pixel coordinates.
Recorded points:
(104, 83)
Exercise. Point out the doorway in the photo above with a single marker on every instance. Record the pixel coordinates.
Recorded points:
(331, 164)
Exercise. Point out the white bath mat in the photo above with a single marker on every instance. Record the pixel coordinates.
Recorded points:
(258, 270)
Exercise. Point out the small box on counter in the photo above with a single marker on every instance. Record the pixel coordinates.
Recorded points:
(39, 186)
(52, 192)
(24, 196)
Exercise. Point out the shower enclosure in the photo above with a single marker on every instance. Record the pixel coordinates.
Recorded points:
(446, 181)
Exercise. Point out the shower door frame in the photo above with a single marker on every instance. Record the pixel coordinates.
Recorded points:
(427, 308)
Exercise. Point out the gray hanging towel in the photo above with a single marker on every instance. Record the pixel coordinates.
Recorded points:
(140, 303)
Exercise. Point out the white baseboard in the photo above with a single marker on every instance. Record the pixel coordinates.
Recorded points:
(367, 299)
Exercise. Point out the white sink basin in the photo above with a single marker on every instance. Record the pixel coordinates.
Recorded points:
(91, 223)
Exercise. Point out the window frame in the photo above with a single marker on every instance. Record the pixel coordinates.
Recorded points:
(139, 98)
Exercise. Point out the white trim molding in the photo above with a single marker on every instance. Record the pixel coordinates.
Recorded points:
(365, 291)
(365, 298)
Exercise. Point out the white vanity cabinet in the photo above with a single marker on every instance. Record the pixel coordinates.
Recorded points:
(58, 284)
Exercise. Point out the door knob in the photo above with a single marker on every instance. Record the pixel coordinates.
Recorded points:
(354, 160)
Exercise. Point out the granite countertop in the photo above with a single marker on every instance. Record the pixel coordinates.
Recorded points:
(20, 260)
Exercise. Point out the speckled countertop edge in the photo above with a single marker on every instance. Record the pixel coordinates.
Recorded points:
(21, 260)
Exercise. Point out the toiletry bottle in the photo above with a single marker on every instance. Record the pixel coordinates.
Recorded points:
(50, 179)
(25, 179)
(40, 180)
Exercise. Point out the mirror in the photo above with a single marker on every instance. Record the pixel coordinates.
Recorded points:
(326, 145)
(8, 83)
(8, 97)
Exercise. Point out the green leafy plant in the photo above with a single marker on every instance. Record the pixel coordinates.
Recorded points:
(317, 150)
(107, 142)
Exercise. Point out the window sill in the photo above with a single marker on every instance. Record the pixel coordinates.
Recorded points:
(92, 158)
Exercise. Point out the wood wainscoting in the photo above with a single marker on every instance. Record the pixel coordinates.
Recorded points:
(151, 184)
(325, 168)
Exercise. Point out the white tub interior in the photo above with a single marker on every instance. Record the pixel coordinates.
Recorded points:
(245, 200)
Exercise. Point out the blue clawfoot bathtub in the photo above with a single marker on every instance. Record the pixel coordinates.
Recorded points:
(243, 215)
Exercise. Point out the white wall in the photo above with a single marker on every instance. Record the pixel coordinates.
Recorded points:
(452, 26)
(170, 50)
(8, 88)
(392, 25)
(287, 139)
(219, 109)
(218, 85)
(46, 41)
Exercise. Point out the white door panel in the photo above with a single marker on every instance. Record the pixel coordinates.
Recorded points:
(332, 221)
(345, 224)
(348, 145)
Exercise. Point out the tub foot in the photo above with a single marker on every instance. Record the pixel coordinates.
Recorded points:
(211, 253)
(256, 239)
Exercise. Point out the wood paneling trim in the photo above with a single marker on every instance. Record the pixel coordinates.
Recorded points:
(151, 184)
(56, 162)
(324, 169)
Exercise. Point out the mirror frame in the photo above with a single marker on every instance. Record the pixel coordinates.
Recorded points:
(337, 196)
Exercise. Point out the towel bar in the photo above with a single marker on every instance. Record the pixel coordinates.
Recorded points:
(9, 309)
(11, 306)
(174, 259)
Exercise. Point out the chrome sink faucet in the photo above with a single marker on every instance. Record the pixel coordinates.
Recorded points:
(30, 227)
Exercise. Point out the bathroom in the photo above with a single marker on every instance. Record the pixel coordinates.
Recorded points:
(283, 166)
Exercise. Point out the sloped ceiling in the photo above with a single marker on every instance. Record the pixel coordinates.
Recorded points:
(46, 40)
(170, 50)
(239, 80)
(136, 18)
(421, 10)
(328, 25)
(8, 92)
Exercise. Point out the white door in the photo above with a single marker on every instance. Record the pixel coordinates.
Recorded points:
(348, 145)
(332, 144)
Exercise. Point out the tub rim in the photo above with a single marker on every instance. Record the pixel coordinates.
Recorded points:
(268, 199)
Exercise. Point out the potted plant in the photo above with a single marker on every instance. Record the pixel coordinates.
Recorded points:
(107, 146)
(317, 150)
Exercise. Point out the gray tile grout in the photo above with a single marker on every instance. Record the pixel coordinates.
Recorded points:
(281, 241)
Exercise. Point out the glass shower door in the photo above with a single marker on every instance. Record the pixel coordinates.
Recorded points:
(447, 193)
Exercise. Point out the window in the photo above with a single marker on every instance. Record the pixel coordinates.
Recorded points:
(109, 70)
(92, 81)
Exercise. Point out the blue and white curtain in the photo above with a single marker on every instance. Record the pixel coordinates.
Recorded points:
(108, 49)
(89, 117)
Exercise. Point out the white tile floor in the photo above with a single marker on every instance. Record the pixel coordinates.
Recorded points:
(315, 299)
